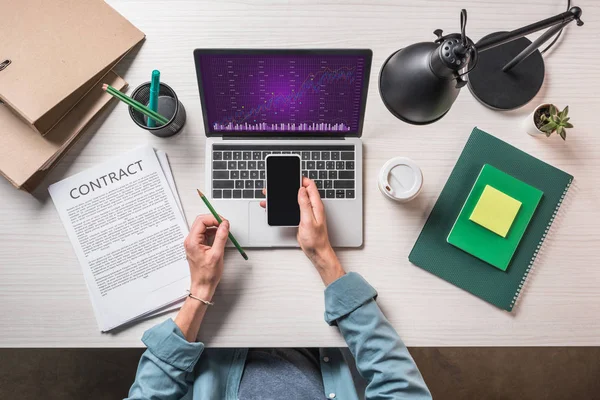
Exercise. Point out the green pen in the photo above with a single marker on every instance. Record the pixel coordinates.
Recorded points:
(153, 100)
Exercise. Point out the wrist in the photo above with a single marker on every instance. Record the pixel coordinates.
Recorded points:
(332, 274)
(325, 259)
(328, 266)
(202, 291)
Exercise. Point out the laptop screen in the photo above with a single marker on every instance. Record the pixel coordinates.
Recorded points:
(283, 92)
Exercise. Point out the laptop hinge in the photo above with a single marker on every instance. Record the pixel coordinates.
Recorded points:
(283, 138)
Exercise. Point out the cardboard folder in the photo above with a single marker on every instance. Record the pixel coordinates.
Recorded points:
(26, 156)
(54, 52)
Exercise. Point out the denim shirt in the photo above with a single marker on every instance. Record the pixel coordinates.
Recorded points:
(173, 368)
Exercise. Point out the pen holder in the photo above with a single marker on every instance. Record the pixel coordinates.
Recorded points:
(169, 107)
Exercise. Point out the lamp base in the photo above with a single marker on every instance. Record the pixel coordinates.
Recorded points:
(506, 90)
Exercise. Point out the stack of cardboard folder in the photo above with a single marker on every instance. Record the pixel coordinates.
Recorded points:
(54, 57)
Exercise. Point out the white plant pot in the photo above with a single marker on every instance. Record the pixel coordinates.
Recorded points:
(529, 124)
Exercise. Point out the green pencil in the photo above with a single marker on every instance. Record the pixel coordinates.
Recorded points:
(219, 220)
(135, 104)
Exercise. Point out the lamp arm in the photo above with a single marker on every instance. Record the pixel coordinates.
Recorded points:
(561, 19)
(544, 37)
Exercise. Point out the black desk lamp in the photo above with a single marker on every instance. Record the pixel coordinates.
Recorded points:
(420, 82)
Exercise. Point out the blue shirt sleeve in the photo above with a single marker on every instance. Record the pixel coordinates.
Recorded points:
(381, 356)
(166, 368)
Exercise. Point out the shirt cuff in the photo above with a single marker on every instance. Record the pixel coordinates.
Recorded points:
(345, 295)
(167, 343)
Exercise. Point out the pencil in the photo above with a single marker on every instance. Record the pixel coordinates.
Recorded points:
(219, 220)
(135, 104)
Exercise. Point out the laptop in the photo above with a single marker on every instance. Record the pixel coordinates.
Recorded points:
(305, 102)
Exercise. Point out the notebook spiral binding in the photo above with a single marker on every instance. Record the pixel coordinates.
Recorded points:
(538, 249)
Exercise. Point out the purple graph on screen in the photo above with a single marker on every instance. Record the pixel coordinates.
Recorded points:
(292, 93)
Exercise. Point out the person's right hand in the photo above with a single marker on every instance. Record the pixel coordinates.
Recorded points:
(312, 233)
(204, 249)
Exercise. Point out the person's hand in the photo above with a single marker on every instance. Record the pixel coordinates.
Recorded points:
(312, 233)
(204, 249)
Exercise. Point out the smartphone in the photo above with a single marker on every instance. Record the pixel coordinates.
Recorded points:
(284, 178)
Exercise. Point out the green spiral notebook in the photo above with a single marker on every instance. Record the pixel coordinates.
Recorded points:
(432, 251)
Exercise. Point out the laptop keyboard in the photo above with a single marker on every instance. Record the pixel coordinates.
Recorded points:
(239, 170)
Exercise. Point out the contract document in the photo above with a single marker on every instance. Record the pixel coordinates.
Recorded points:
(126, 225)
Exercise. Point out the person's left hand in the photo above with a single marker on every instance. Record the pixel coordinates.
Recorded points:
(312, 232)
(204, 248)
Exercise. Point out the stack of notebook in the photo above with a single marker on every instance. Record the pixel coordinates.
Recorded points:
(54, 56)
(489, 223)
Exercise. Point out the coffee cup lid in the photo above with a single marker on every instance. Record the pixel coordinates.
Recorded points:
(400, 179)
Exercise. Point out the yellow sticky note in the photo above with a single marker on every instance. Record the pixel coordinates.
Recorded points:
(495, 211)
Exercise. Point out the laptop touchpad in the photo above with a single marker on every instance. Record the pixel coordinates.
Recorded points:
(260, 234)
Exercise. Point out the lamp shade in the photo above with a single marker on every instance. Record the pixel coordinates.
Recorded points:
(416, 86)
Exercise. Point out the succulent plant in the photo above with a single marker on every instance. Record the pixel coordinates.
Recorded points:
(557, 121)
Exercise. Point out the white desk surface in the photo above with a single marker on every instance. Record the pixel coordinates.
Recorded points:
(276, 298)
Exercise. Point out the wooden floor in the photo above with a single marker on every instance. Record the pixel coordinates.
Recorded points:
(540, 373)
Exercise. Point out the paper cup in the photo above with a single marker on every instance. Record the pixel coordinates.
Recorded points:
(400, 179)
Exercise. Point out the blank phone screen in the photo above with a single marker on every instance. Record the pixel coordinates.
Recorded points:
(283, 183)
